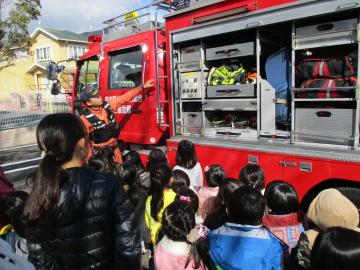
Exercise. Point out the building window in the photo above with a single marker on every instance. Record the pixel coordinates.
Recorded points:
(43, 54)
(75, 51)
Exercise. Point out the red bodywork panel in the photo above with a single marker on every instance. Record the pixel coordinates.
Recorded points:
(141, 126)
(236, 159)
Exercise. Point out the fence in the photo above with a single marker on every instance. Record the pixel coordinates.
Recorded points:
(22, 109)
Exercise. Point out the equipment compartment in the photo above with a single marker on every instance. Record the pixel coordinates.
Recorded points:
(325, 125)
(230, 51)
(326, 34)
(231, 91)
(191, 118)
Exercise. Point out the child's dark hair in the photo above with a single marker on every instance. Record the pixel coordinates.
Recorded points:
(133, 158)
(252, 175)
(57, 136)
(247, 206)
(189, 196)
(11, 206)
(10, 202)
(156, 156)
(177, 222)
(128, 175)
(226, 189)
(160, 177)
(281, 198)
(186, 155)
(214, 175)
(102, 161)
(180, 180)
(336, 248)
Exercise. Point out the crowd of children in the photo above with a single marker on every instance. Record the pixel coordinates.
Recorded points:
(109, 216)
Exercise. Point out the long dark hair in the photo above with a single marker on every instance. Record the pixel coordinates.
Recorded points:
(57, 135)
(128, 175)
(336, 248)
(160, 177)
(178, 220)
(133, 158)
(156, 156)
(102, 161)
(186, 155)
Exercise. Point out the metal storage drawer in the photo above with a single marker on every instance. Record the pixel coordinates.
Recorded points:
(327, 27)
(230, 51)
(230, 105)
(330, 126)
(191, 122)
(231, 91)
(326, 34)
(190, 54)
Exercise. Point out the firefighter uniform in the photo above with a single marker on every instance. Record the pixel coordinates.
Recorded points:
(100, 122)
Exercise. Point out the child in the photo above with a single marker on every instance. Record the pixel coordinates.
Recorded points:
(186, 160)
(329, 209)
(156, 157)
(182, 246)
(283, 218)
(102, 161)
(137, 196)
(10, 209)
(189, 195)
(161, 197)
(180, 180)
(252, 175)
(133, 158)
(214, 175)
(244, 243)
(336, 249)
(218, 216)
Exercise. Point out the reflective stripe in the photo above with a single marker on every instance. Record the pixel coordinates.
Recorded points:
(321, 67)
(328, 90)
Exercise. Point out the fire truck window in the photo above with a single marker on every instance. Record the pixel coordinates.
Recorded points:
(126, 68)
(88, 74)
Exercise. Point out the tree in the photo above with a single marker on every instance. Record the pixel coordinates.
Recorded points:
(14, 28)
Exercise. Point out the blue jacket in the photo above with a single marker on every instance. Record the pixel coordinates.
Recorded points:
(244, 247)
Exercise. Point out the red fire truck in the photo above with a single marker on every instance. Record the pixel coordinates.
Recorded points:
(264, 82)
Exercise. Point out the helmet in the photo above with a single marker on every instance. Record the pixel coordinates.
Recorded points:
(89, 91)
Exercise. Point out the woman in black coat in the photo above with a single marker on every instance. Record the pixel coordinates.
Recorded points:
(77, 218)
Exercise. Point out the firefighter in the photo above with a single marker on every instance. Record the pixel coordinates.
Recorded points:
(99, 119)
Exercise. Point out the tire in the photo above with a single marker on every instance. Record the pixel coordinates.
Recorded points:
(352, 193)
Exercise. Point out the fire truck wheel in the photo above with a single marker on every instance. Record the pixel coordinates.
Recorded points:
(352, 193)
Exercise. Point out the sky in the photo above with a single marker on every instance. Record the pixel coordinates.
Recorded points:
(79, 15)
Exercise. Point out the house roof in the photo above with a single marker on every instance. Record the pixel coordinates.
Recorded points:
(63, 35)
(36, 65)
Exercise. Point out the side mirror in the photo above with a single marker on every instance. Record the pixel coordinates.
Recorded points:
(56, 88)
(53, 70)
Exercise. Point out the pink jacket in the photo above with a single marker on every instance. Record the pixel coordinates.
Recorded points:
(173, 255)
(207, 197)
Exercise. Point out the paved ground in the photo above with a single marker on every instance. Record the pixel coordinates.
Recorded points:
(19, 163)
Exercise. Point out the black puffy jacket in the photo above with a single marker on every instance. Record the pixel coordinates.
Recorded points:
(92, 227)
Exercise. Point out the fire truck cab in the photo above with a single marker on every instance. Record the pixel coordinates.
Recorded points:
(130, 51)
